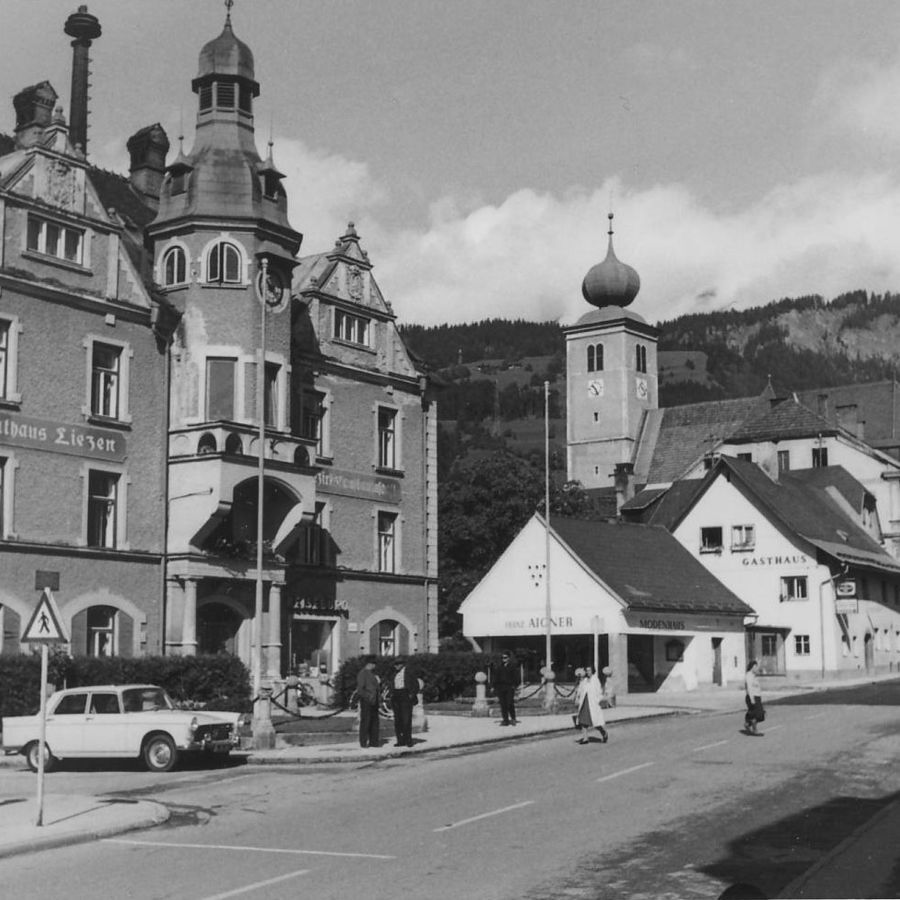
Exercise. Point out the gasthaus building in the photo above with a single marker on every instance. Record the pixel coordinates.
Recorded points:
(133, 311)
(632, 594)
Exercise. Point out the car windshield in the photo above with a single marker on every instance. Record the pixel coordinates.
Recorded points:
(145, 700)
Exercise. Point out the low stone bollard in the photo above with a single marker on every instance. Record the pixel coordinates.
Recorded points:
(419, 719)
(263, 730)
(480, 706)
(551, 701)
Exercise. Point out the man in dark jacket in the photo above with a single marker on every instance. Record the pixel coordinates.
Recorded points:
(506, 681)
(367, 688)
(404, 694)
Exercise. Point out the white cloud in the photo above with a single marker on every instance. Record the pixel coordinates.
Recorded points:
(526, 257)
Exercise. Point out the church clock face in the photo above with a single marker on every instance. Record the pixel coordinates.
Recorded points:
(640, 387)
(595, 387)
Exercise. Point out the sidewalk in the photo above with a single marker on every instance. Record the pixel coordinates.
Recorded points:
(74, 819)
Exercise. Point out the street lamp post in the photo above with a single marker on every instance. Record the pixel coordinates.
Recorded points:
(263, 732)
(549, 675)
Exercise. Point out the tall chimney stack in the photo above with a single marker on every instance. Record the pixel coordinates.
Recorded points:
(84, 28)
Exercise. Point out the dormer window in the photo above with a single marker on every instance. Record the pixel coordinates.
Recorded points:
(174, 266)
(223, 265)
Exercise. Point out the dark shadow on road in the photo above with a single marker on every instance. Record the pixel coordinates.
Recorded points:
(772, 857)
(882, 693)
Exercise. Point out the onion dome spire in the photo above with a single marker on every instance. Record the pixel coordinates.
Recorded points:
(610, 283)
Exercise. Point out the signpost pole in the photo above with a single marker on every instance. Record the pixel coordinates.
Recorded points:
(42, 737)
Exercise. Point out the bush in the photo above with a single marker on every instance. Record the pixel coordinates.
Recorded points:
(446, 675)
(210, 682)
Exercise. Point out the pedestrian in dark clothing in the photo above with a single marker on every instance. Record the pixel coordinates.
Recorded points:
(404, 695)
(367, 692)
(506, 681)
(753, 699)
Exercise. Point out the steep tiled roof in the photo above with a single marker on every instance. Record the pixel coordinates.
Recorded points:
(687, 432)
(833, 477)
(116, 192)
(647, 567)
(784, 420)
(871, 410)
(807, 511)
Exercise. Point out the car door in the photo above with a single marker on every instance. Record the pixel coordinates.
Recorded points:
(104, 729)
(66, 724)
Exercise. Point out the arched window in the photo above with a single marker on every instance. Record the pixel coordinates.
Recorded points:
(590, 358)
(599, 357)
(207, 443)
(223, 265)
(640, 352)
(233, 445)
(174, 266)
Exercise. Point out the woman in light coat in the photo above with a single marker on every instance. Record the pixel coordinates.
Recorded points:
(590, 713)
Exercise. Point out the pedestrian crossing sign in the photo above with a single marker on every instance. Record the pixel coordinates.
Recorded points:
(46, 623)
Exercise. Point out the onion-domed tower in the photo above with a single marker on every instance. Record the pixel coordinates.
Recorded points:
(611, 373)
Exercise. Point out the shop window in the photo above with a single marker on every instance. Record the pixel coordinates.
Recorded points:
(101, 631)
(103, 514)
(52, 239)
(387, 438)
(674, 651)
(801, 644)
(220, 389)
(793, 587)
(819, 457)
(174, 265)
(711, 540)
(387, 540)
(223, 264)
(743, 537)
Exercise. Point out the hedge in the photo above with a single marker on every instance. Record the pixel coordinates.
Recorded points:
(211, 682)
(447, 676)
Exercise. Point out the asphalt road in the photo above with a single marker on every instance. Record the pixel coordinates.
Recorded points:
(672, 808)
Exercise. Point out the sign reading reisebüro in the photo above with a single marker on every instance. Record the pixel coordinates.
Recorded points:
(60, 437)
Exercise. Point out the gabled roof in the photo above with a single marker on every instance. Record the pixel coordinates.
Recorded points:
(804, 510)
(647, 567)
(662, 506)
(837, 477)
(686, 433)
(783, 420)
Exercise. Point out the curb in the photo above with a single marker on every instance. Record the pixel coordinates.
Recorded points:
(157, 814)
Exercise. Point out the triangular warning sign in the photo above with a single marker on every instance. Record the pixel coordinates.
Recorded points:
(45, 624)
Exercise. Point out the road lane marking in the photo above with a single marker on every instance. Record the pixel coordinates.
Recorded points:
(487, 815)
(257, 885)
(815, 716)
(626, 771)
(230, 847)
(708, 746)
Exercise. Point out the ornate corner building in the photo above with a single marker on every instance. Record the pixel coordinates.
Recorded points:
(176, 379)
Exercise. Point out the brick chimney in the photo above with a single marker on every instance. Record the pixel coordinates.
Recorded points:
(34, 112)
(85, 28)
(623, 479)
(147, 149)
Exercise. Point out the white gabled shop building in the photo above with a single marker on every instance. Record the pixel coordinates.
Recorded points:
(626, 596)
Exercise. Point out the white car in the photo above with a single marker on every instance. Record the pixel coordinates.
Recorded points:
(121, 721)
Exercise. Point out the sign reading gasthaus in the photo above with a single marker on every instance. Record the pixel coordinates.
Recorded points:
(59, 437)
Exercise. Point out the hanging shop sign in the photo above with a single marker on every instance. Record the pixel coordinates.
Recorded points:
(59, 437)
(358, 484)
(319, 603)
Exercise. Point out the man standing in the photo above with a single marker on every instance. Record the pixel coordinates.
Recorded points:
(367, 688)
(405, 690)
(506, 681)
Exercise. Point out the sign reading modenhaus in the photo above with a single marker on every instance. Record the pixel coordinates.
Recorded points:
(58, 437)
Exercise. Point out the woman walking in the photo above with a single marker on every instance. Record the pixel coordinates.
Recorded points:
(753, 698)
(590, 714)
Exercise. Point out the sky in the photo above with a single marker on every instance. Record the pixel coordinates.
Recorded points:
(750, 151)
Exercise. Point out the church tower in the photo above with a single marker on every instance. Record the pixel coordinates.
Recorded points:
(611, 374)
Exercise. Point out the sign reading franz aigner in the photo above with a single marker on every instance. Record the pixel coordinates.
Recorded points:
(355, 484)
(59, 437)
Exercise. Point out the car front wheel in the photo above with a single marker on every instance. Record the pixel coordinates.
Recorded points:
(160, 753)
(33, 759)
